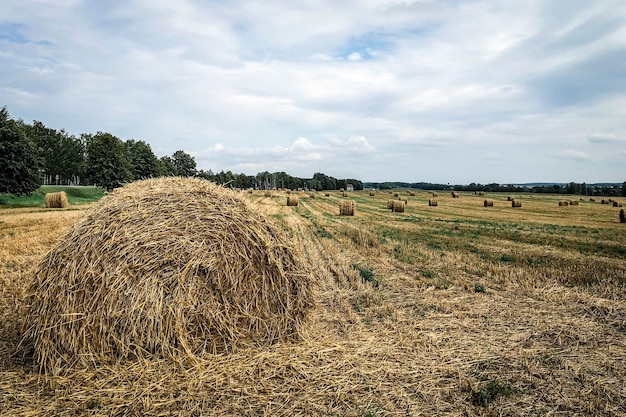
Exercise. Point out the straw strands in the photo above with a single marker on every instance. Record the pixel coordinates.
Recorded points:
(292, 201)
(347, 207)
(171, 267)
(398, 206)
(56, 200)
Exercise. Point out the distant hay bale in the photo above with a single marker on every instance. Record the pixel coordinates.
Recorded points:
(292, 200)
(434, 194)
(311, 195)
(56, 200)
(406, 200)
(563, 203)
(603, 201)
(479, 193)
(592, 199)
(299, 190)
(617, 204)
(250, 190)
(372, 194)
(326, 194)
(509, 198)
(396, 195)
(432, 202)
(347, 207)
(573, 203)
(288, 192)
(267, 193)
(398, 206)
(344, 194)
(622, 216)
(390, 203)
(516, 203)
(488, 203)
(173, 268)
(455, 194)
(341, 190)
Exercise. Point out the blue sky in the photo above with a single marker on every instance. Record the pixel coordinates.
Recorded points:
(438, 91)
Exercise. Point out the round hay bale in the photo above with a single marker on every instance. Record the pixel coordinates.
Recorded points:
(390, 203)
(622, 216)
(311, 195)
(434, 194)
(563, 204)
(372, 194)
(396, 195)
(516, 203)
(509, 198)
(250, 190)
(603, 201)
(292, 201)
(169, 267)
(573, 203)
(326, 194)
(617, 204)
(344, 194)
(406, 200)
(592, 199)
(488, 203)
(398, 206)
(432, 202)
(455, 194)
(56, 200)
(347, 207)
(267, 193)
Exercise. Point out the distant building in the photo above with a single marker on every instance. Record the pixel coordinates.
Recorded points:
(349, 187)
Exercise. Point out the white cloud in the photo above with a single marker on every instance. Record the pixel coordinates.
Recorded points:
(605, 138)
(235, 83)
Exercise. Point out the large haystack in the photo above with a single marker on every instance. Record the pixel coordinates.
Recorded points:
(56, 200)
(174, 267)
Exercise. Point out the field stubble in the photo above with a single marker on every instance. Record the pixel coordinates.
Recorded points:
(452, 310)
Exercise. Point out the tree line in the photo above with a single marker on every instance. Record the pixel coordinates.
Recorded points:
(34, 154)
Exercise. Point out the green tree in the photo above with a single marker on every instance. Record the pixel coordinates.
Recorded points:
(62, 155)
(185, 164)
(107, 164)
(143, 162)
(18, 161)
(624, 189)
(166, 167)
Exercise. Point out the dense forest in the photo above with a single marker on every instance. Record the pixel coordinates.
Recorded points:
(34, 154)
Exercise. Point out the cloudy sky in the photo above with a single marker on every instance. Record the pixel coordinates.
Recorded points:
(450, 91)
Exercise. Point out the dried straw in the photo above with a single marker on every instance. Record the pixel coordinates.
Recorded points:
(170, 267)
(398, 206)
(347, 207)
(56, 200)
(292, 200)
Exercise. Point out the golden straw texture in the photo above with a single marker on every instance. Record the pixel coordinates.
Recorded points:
(169, 267)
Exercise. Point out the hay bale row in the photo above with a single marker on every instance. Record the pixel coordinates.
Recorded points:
(347, 208)
(56, 200)
(292, 201)
(488, 203)
(455, 194)
(173, 268)
(432, 202)
(516, 203)
(622, 216)
(397, 206)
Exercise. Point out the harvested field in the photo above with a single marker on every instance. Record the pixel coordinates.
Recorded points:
(458, 311)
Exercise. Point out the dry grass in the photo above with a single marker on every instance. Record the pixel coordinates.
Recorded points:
(451, 312)
(347, 207)
(169, 267)
(292, 201)
(56, 200)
